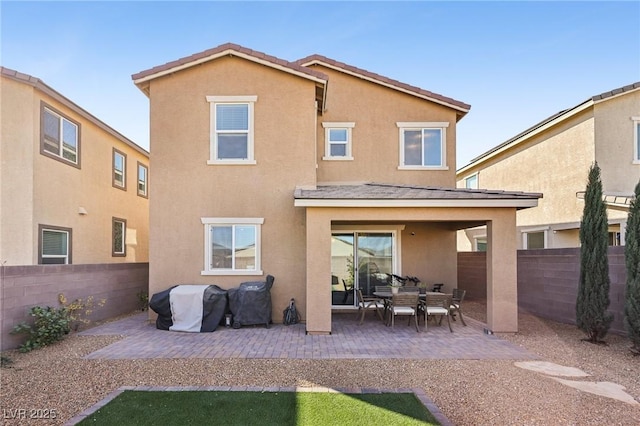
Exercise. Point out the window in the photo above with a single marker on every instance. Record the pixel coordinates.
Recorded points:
(54, 245)
(119, 169)
(480, 243)
(337, 141)
(614, 238)
(59, 136)
(143, 172)
(231, 129)
(471, 182)
(119, 231)
(636, 140)
(232, 246)
(535, 240)
(422, 145)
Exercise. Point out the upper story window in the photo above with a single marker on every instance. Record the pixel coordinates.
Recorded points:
(471, 182)
(143, 172)
(60, 136)
(119, 169)
(54, 245)
(231, 129)
(423, 145)
(337, 141)
(119, 232)
(232, 246)
(636, 140)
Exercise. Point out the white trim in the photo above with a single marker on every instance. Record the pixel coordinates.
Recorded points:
(405, 126)
(535, 230)
(421, 124)
(248, 100)
(328, 126)
(382, 83)
(231, 52)
(327, 202)
(636, 139)
(209, 221)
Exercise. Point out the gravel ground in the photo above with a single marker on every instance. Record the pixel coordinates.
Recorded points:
(468, 392)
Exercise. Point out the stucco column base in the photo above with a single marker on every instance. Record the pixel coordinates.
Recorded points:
(318, 272)
(502, 273)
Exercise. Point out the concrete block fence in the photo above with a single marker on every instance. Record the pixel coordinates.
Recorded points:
(23, 287)
(548, 282)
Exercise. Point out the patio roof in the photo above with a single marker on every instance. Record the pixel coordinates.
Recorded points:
(404, 195)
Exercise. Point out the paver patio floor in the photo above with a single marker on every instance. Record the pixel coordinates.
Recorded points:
(372, 339)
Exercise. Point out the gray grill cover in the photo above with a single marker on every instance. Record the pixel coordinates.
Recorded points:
(250, 303)
(214, 306)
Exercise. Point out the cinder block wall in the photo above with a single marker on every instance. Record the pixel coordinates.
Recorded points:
(23, 287)
(548, 282)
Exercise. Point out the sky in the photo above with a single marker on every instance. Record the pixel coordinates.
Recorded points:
(515, 63)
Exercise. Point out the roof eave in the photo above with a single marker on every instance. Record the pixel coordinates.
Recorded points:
(413, 203)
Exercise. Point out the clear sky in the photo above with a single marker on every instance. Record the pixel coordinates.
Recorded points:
(516, 63)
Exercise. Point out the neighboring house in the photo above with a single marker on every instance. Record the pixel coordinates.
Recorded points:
(260, 163)
(553, 157)
(74, 190)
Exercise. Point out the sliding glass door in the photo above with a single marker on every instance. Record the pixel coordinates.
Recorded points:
(359, 260)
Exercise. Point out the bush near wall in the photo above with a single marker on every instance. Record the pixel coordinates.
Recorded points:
(39, 285)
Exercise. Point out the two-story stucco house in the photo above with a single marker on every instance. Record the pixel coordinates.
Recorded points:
(553, 157)
(312, 171)
(74, 190)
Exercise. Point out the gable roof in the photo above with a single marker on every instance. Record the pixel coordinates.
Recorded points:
(549, 122)
(44, 88)
(142, 78)
(461, 107)
(398, 195)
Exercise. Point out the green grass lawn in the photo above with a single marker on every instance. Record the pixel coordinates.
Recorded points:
(261, 408)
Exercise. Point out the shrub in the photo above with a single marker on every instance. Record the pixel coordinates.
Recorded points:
(632, 259)
(50, 325)
(79, 310)
(593, 289)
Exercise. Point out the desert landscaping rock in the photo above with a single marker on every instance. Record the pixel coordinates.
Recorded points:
(551, 369)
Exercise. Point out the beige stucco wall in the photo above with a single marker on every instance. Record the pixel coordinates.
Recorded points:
(554, 163)
(375, 138)
(37, 189)
(17, 121)
(185, 188)
(614, 143)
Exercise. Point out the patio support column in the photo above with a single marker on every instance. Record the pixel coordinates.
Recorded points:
(502, 273)
(318, 271)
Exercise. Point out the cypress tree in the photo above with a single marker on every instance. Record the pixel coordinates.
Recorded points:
(632, 260)
(593, 290)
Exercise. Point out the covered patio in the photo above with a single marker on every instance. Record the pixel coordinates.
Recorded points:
(425, 221)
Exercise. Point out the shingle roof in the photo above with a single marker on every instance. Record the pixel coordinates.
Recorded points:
(40, 85)
(559, 115)
(211, 53)
(382, 191)
(315, 59)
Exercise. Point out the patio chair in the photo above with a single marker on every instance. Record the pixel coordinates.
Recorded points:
(369, 303)
(437, 305)
(456, 302)
(404, 304)
(409, 289)
(437, 287)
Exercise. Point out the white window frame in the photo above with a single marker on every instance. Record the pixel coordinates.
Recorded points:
(61, 148)
(123, 252)
(476, 239)
(59, 230)
(144, 192)
(328, 126)
(208, 222)
(422, 126)
(636, 140)
(466, 181)
(116, 172)
(525, 235)
(213, 151)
